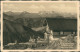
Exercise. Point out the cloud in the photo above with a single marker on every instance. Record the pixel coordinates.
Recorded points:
(35, 7)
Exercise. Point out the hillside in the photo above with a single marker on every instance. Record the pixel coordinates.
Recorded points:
(14, 31)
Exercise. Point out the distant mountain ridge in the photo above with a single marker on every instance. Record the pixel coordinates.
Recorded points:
(41, 14)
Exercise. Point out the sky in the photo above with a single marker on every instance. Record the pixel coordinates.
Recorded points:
(35, 7)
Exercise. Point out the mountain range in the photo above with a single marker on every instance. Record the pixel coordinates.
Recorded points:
(21, 26)
(46, 14)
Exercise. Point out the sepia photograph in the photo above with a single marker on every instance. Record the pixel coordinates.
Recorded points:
(39, 25)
